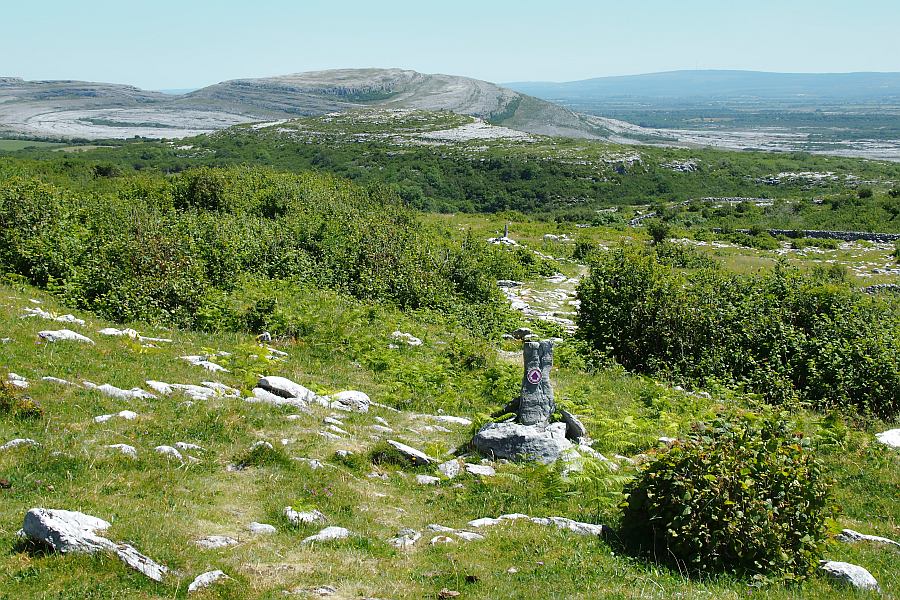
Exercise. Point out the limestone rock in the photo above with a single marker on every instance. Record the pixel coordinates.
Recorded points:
(129, 451)
(484, 522)
(415, 456)
(43, 314)
(65, 530)
(452, 420)
(351, 400)
(891, 437)
(557, 430)
(285, 388)
(575, 429)
(263, 396)
(850, 574)
(124, 414)
(427, 480)
(17, 380)
(64, 335)
(409, 339)
(168, 451)
(119, 393)
(312, 463)
(577, 527)
(406, 538)
(450, 469)
(69, 531)
(213, 542)
(514, 441)
(482, 470)
(469, 536)
(205, 580)
(160, 387)
(203, 361)
(304, 517)
(328, 534)
(18, 442)
(186, 447)
(220, 389)
(848, 535)
(261, 528)
(131, 333)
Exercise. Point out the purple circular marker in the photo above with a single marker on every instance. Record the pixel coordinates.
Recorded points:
(534, 376)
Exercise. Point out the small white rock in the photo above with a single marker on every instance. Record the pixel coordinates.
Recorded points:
(848, 535)
(189, 447)
(213, 542)
(416, 456)
(168, 451)
(400, 336)
(850, 574)
(64, 335)
(124, 414)
(427, 480)
(891, 438)
(18, 442)
(328, 534)
(351, 400)
(206, 579)
(129, 451)
(450, 469)
(304, 517)
(483, 470)
(261, 528)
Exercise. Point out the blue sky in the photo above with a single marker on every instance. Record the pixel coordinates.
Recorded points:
(191, 43)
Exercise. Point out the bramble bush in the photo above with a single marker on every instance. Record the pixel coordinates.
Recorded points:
(785, 335)
(742, 495)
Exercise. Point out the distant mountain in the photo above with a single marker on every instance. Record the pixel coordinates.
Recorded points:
(96, 110)
(802, 88)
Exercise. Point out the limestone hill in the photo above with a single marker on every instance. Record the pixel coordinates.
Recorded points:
(96, 110)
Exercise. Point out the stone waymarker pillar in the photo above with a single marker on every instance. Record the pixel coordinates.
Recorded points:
(536, 404)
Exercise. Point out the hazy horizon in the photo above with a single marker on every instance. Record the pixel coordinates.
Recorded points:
(178, 45)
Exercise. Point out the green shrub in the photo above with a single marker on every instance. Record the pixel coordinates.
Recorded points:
(658, 230)
(785, 335)
(682, 256)
(174, 251)
(264, 455)
(741, 495)
(17, 405)
(824, 243)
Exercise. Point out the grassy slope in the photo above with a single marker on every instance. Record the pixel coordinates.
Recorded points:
(162, 506)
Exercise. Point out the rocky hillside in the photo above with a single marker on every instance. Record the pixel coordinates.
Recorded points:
(93, 110)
